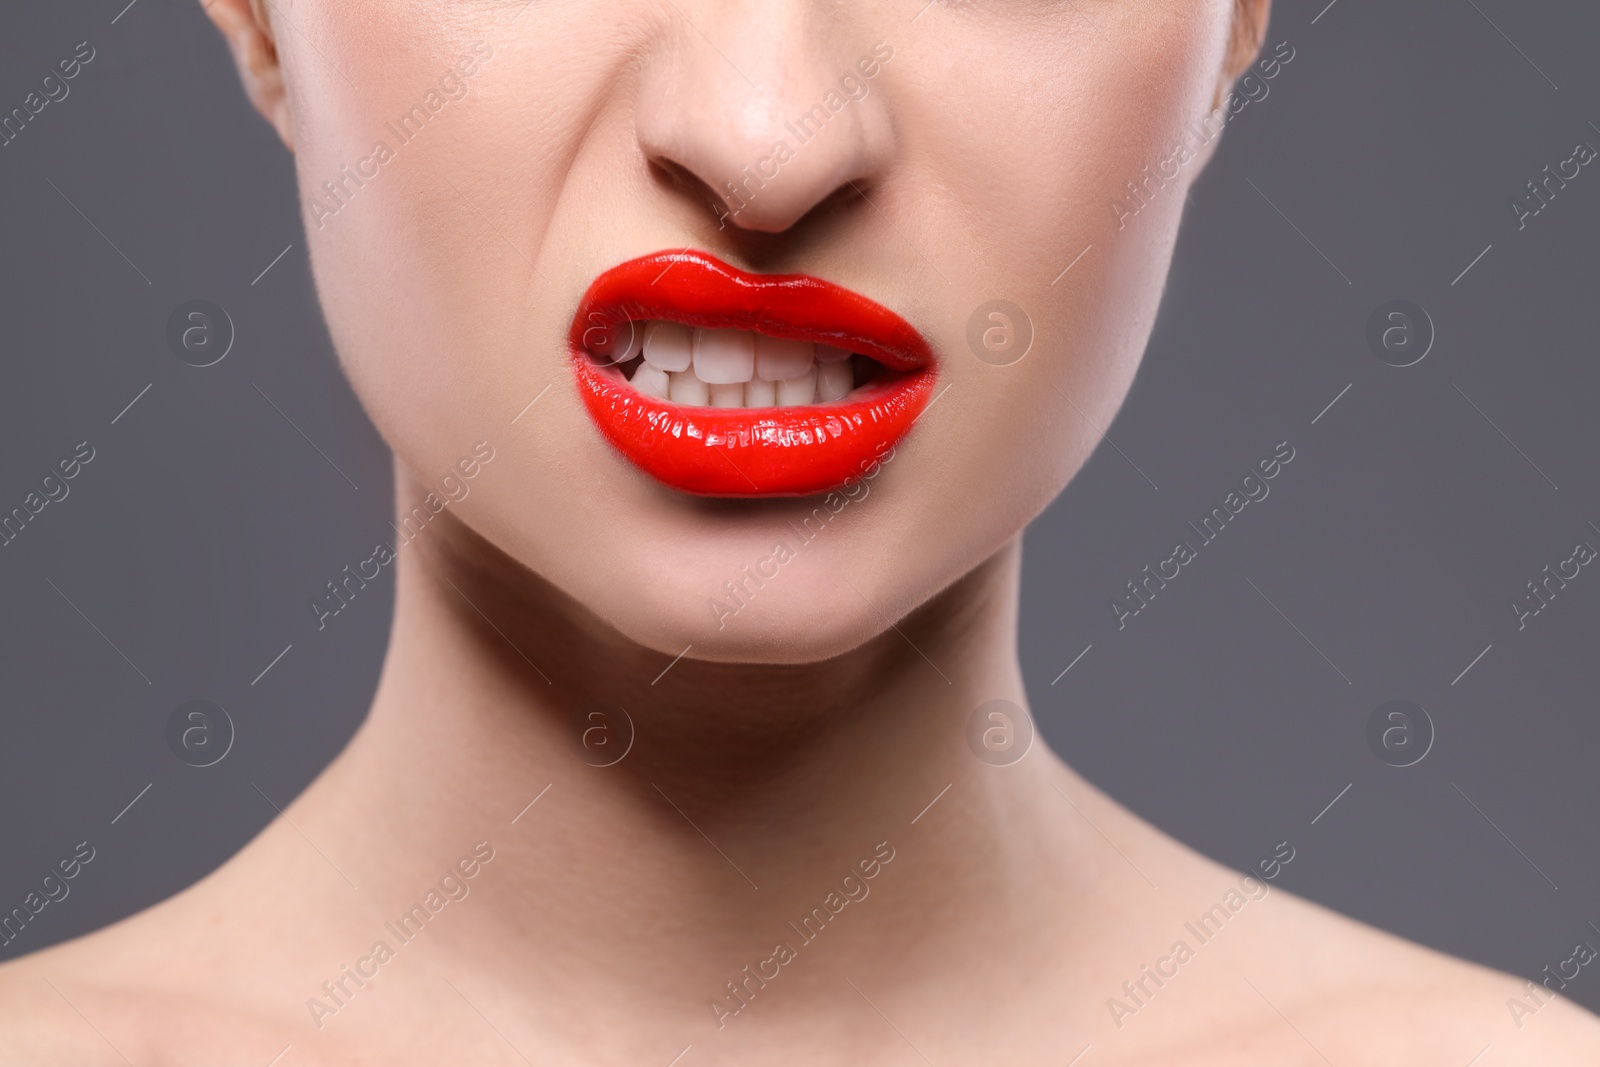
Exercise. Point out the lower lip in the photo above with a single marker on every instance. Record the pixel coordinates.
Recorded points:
(751, 452)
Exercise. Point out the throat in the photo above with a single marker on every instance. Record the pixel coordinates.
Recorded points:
(722, 834)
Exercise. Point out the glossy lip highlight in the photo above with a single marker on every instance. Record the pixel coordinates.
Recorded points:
(749, 452)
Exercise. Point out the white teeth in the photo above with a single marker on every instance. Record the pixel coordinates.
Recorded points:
(713, 367)
(834, 381)
(651, 381)
(778, 358)
(727, 395)
(723, 357)
(758, 393)
(666, 345)
(632, 343)
(685, 388)
(798, 390)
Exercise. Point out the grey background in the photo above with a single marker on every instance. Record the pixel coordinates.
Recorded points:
(1394, 541)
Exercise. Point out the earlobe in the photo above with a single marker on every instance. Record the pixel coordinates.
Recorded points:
(245, 26)
(1244, 43)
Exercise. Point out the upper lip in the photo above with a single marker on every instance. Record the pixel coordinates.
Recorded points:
(714, 294)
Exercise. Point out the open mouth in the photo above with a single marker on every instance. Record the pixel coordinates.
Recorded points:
(721, 382)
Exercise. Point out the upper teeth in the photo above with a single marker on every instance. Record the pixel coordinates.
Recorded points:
(732, 368)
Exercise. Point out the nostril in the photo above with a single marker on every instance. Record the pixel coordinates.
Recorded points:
(684, 181)
(729, 208)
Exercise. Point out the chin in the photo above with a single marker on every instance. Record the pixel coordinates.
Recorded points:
(793, 620)
(783, 581)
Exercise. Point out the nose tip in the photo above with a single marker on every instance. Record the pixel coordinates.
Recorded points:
(770, 134)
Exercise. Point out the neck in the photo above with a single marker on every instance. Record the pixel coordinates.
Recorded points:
(744, 807)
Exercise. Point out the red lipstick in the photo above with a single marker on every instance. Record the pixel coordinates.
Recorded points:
(756, 451)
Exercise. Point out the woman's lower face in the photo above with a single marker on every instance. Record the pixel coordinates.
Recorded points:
(778, 318)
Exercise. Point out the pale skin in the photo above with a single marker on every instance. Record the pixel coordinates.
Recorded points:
(807, 734)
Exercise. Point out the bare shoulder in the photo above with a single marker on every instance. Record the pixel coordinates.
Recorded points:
(38, 1026)
(159, 987)
(1281, 980)
(55, 1011)
(1377, 998)
(81, 1004)
(1241, 969)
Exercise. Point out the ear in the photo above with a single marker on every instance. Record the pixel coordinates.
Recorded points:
(249, 35)
(1249, 31)
(1246, 32)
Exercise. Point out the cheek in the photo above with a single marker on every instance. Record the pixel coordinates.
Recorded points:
(1031, 140)
(428, 267)
(1035, 131)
